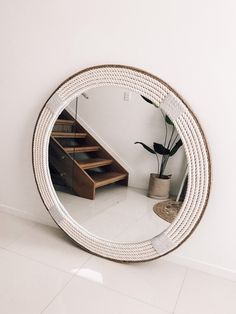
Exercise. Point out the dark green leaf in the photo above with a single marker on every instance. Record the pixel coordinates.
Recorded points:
(168, 120)
(146, 147)
(148, 100)
(176, 147)
(160, 149)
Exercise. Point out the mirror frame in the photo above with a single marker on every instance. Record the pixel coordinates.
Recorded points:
(190, 132)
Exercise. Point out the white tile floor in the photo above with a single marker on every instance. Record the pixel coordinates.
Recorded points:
(117, 213)
(41, 271)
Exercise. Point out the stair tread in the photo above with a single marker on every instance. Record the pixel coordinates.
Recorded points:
(105, 178)
(81, 149)
(68, 135)
(94, 163)
(62, 121)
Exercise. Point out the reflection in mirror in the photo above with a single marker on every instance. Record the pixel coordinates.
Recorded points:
(118, 165)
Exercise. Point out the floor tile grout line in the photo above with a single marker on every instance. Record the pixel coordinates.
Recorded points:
(188, 269)
(217, 276)
(201, 271)
(55, 296)
(122, 293)
(75, 274)
(61, 290)
(180, 290)
(137, 299)
(137, 219)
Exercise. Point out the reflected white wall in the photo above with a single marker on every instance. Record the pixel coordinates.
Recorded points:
(120, 123)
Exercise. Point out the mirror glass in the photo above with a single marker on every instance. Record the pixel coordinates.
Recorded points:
(118, 165)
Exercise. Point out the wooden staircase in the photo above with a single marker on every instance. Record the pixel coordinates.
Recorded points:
(78, 161)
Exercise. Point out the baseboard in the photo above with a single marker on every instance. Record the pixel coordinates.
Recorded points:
(211, 269)
(26, 215)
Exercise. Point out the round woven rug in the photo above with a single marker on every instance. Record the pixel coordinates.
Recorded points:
(167, 210)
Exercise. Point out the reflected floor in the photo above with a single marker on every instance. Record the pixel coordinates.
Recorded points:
(118, 213)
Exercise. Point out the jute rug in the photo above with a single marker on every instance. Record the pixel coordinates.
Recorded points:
(167, 210)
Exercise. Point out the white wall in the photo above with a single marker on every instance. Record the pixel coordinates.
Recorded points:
(190, 44)
(119, 124)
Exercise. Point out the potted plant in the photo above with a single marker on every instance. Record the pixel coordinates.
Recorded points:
(159, 183)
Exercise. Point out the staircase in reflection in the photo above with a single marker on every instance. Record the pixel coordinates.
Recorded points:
(79, 162)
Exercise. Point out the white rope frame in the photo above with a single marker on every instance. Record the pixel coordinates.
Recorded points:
(193, 140)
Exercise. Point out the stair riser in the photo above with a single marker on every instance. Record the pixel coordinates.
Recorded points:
(110, 181)
(96, 165)
(69, 135)
(72, 150)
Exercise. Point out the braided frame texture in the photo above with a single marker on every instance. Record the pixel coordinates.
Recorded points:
(189, 130)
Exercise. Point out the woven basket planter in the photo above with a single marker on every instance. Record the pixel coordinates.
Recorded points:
(159, 188)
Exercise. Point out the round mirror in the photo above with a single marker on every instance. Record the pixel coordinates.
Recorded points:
(121, 163)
